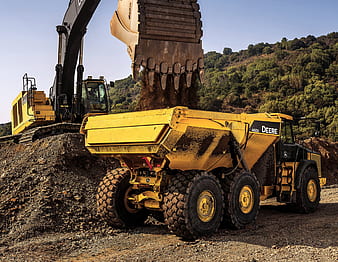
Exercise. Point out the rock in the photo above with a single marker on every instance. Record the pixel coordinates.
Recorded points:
(50, 176)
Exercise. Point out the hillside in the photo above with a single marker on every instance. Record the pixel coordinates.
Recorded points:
(298, 77)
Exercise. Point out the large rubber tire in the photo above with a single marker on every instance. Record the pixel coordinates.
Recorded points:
(308, 193)
(242, 196)
(112, 201)
(193, 204)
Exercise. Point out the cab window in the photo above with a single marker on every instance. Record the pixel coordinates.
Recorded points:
(287, 133)
(96, 96)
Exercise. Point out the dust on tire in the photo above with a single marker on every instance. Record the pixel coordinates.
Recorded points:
(180, 204)
(234, 216)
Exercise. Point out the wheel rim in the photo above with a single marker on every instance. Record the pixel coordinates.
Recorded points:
(246, 199)
(206, 206)
(312, 190)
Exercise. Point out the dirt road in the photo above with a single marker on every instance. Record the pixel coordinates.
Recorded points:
(278, 235)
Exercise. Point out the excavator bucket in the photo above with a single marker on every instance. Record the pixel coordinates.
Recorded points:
(163, 39)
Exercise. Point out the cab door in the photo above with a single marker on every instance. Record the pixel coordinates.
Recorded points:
(288, 156)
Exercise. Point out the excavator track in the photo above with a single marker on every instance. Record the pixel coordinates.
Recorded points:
(50, 130)
(11, 138)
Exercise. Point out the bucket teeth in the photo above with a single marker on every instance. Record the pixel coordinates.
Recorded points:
(163, 37)
(189, 79)
(164, 81)
(177, 82)
(151, 79)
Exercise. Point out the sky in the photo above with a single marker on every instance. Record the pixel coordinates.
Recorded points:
(28, 39)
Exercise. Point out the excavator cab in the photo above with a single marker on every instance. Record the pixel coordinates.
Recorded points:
(94, 96)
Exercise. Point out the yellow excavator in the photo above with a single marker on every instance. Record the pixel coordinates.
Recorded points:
(164, 43)
(34, 115)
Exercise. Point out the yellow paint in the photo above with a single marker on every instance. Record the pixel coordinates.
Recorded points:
(322, 181)
(137, 134)
(267, 191)
(317, 158)
(152, 204)
(177, 135)
(311, 190)
(256, 147)
(29, 110)
(246, 199)
(206, 206)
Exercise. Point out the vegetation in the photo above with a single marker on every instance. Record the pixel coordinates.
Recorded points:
(296, 77)
(123, 96)
(5, 129)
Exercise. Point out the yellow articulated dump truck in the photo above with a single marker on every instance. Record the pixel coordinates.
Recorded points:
(198, 170)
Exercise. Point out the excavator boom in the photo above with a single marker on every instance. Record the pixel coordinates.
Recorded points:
(71, 33)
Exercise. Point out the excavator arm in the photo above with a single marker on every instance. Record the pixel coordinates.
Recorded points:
(71, 33)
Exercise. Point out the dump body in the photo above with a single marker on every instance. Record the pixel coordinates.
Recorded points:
(187, 139)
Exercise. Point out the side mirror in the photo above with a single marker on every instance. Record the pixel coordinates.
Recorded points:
(111, 84)
(317, 134)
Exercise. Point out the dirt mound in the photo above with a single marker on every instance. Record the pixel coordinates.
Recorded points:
(48, 186)
(329, 152)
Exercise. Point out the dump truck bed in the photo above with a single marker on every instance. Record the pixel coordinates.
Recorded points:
(182, 135)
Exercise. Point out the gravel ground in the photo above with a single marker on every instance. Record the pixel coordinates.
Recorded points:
(47, 213)
(278, 235)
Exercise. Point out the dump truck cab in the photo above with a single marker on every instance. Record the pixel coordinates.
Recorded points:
(291, 161)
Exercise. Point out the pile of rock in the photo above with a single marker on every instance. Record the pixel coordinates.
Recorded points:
(48, 186)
